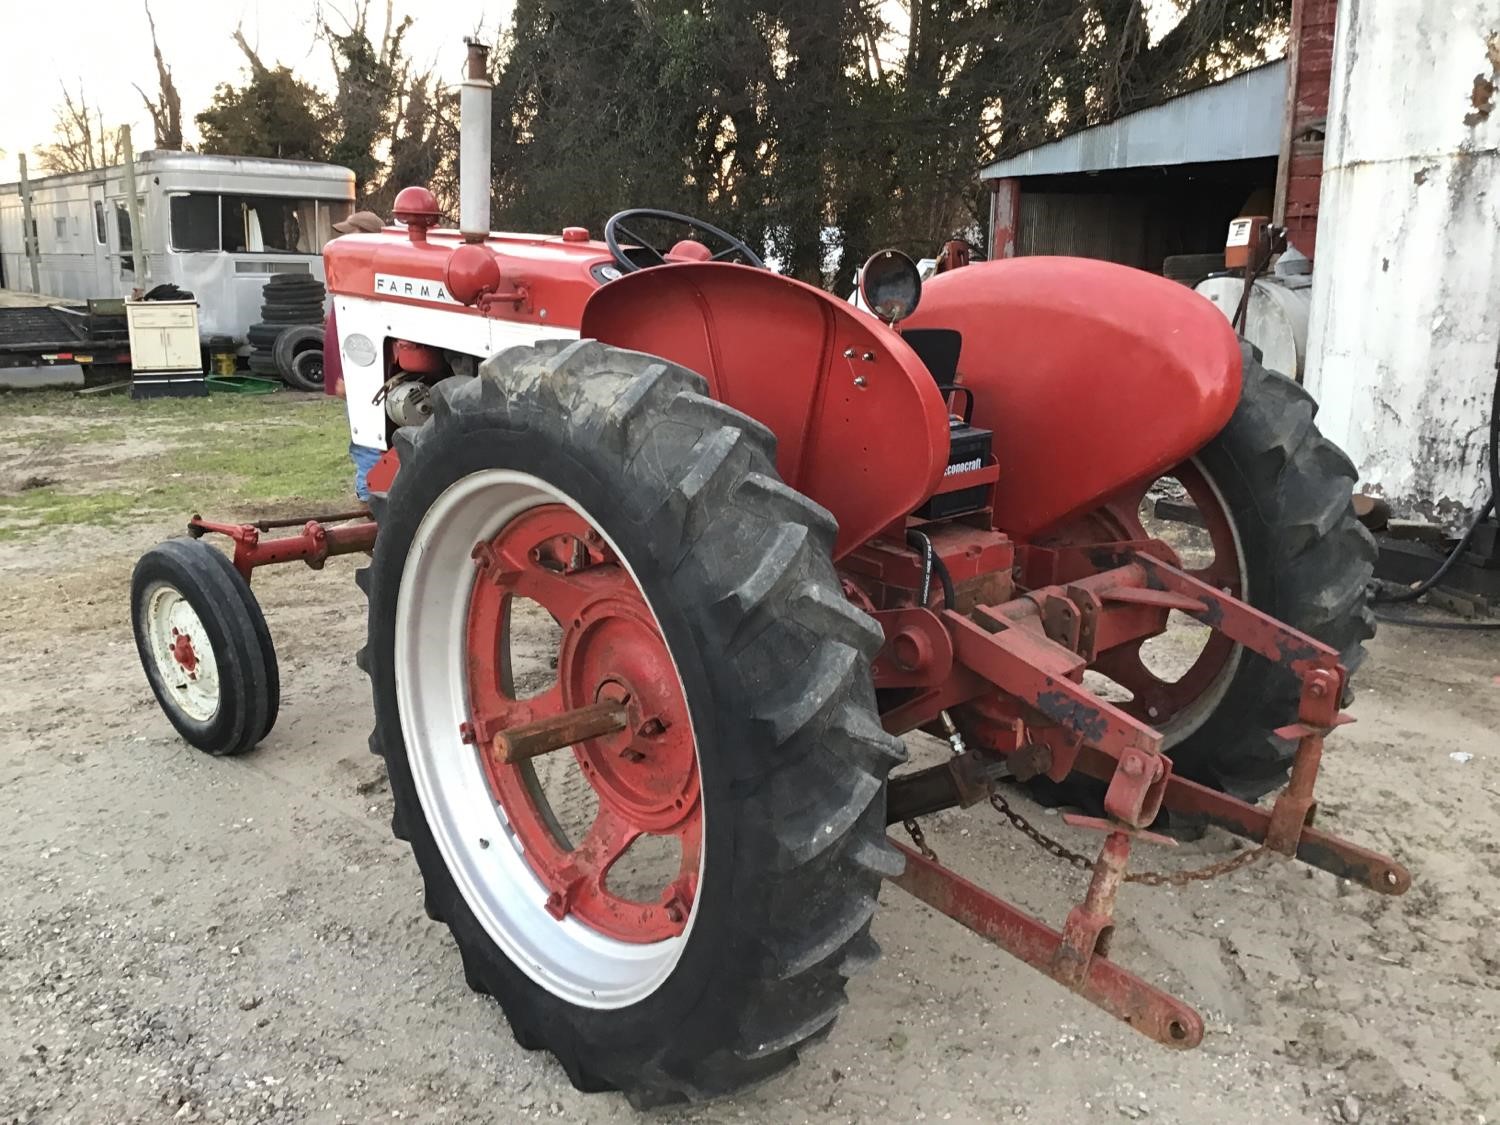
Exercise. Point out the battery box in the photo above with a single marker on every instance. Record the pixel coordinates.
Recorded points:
(969, 447)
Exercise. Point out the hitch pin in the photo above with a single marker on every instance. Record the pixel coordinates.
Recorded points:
(955, 739)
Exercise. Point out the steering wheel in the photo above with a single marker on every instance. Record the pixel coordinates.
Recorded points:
(616, 227)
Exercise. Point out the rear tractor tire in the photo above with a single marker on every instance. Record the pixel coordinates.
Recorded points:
(1273, 495)
(1306, 560)
(204, 646)
(692, 588)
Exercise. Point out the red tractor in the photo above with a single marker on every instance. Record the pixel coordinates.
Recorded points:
(763, 534)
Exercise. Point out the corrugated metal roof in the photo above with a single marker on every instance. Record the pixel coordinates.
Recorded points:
(1237, 119)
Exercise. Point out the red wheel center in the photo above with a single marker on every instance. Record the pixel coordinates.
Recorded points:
(183, 653)
(1155, 699)
(645, 775)
(648, 771)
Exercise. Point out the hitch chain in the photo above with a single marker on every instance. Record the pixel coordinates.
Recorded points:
(1149, 878)
(918, 837)
(1084, 863)
(1035, 835)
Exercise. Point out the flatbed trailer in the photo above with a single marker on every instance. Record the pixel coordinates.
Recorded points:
(46, 345)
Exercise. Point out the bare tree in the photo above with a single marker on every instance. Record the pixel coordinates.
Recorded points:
(257, 67)
(422, 146)
(81, 140)
(373, 76)
(166, 108)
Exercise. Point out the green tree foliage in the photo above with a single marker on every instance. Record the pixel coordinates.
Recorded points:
(592, 107)
(273, 114)
(976, 79)
(423, 142)
(724, 109)
(784, 119)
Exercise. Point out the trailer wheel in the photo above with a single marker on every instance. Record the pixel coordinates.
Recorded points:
(1273, 496)
(294, 343)
(203, 648)
(694, 590)
(306, 372)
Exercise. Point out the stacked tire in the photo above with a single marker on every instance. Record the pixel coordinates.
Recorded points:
(288, 341)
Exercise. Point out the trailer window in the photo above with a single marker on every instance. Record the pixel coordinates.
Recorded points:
(268, 224)
(195, 222)
(122, 229)
(101, 231)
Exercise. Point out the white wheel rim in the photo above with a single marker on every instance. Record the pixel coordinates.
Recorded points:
(185, 663)
(478, 845)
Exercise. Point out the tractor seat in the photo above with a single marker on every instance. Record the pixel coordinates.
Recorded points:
(938, 350)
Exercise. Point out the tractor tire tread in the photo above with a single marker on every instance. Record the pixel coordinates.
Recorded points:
(810, 803)
(262, 631)
(1322, 560)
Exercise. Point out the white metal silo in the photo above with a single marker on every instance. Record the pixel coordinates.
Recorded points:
(1405, 324)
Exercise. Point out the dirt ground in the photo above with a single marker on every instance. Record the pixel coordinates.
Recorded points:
(183, 938)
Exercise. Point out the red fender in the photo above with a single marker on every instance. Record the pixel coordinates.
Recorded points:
(1092, 375)
(859, 423)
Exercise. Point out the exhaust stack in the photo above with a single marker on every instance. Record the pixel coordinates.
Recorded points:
(474, 146)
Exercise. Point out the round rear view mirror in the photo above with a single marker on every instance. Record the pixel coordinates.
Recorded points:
(890, 285)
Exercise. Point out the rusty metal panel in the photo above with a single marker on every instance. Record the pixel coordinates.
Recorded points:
(1300, 171)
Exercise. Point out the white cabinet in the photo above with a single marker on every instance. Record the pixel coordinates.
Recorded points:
(164, 336)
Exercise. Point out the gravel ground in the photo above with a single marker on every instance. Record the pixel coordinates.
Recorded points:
(187, 939)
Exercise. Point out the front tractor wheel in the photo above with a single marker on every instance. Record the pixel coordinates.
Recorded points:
(204, 646)
(628, 719)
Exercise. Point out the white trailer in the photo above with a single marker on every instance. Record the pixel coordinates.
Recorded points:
(217, 226)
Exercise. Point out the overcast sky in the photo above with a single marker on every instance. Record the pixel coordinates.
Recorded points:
(107, 45)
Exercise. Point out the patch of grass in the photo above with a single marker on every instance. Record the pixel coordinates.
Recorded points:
(307, 460)
(39, 508)
(226, 453)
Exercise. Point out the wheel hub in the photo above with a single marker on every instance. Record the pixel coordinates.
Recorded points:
(644, 776)
(1177, 706)
(647, 771)
(182, 652)
(184, 657)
